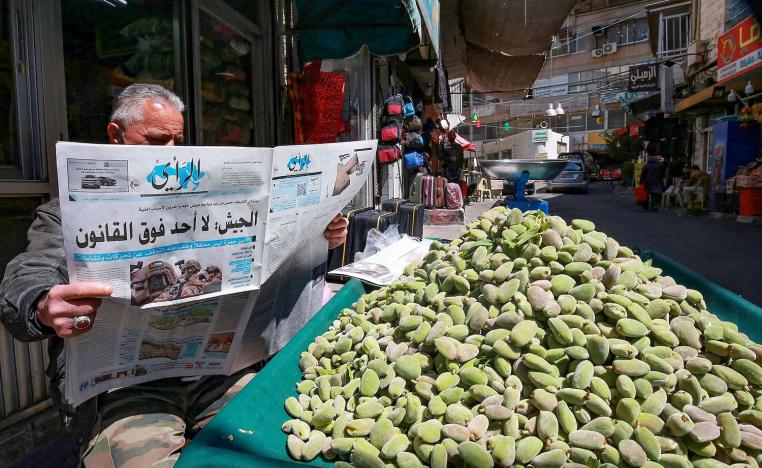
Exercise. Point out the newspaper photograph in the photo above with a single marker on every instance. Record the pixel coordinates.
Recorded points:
(185, 236)
(389, 263)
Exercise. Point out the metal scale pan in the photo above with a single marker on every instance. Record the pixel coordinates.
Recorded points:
(521, 171)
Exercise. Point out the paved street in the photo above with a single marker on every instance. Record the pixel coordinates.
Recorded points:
(724, 251)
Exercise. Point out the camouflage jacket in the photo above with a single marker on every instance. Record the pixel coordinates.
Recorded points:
(29, 276)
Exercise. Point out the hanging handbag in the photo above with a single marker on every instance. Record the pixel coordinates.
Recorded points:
(392, 133)
(388, 153)
(413, 160)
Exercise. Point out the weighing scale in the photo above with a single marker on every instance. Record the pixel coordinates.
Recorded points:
(521, 171)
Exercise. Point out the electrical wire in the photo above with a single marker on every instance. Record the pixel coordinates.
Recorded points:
(611, 24)
(671, 58)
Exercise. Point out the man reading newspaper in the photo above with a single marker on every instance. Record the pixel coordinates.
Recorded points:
(141, 425)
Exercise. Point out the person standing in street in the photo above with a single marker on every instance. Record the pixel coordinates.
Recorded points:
(452, 158)
(141, 425)
(651, 177)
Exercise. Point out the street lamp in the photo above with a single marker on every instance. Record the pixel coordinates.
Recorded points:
(732, 96)
(749, 89)
(597, 111)
(560, 110)
(550, 112)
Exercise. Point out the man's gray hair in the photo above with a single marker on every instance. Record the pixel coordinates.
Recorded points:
(128, 106)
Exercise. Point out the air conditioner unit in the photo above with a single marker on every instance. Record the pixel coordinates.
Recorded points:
(609, 48)
(597, 53)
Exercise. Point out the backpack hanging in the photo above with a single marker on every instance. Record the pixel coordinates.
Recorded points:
(394, 106)
(413, 142)
(388, 154)
(413, 160)
(392, 133)
(408, 107)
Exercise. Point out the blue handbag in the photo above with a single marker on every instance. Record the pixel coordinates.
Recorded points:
(408, 109)
(413, 160)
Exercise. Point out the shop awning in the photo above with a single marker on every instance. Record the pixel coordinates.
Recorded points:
(498, 46)
(335, 29)
(709, 97)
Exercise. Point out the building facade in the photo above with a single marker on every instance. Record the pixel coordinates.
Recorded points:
(586, 72)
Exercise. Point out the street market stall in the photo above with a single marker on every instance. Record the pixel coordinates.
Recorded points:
(580, 351)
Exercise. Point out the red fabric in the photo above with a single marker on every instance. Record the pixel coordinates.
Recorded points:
(465, 144)
(454, 196)
(463, 188)
(750, 201)
(641, 195)
(318, 98)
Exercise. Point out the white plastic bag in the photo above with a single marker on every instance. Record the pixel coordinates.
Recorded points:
(378, 240)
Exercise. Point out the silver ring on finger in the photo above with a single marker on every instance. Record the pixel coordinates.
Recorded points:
(82, 322)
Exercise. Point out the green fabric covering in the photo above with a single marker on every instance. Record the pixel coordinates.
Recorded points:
(335, 29)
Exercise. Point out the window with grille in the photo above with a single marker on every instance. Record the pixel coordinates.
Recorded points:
(736, 11)
(628, 32)
(674, 34)
(565, 42)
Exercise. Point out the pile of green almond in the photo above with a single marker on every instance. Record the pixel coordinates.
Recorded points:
(528, 341)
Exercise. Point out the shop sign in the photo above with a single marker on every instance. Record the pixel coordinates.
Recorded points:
(622, 97)
(539, 136)
(643, 78)
(739, 50)
(430, 12)
(548, 87)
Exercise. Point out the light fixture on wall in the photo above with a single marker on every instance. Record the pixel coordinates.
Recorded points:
(732, 96)
(597, 111)
(550, 112)
(560, 110)
(749, 89)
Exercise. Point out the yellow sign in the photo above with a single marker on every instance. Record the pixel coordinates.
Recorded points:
(596, 138)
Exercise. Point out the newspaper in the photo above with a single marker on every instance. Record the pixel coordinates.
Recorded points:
(388, 264)
(186, 236)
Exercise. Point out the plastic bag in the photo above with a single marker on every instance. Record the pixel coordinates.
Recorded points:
(641, 195)
(378, 240)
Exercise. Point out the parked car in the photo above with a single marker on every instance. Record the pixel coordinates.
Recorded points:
(107, 181)
(573, 177)
(588, 162)
(90, 182)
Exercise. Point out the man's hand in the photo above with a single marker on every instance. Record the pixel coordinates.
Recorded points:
(63, 302)
(342, 174)
(336, 232)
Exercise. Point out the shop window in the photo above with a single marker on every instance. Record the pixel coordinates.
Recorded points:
(594, 123)
(10, 164)
(491, 132)
(576, 123)
(16, 215)
(616, 119)
(247, 8)
(674, 33)
(107, 48)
